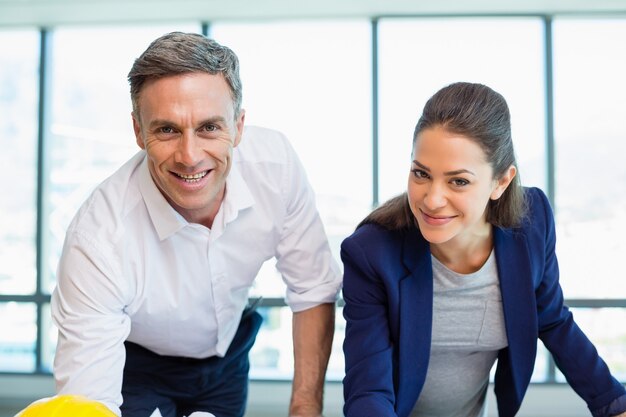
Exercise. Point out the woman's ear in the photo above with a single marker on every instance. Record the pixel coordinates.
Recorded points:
(503, 182)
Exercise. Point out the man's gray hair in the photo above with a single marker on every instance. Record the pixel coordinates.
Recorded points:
(179, 53)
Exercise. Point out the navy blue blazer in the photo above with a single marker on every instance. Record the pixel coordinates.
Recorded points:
(388, 291)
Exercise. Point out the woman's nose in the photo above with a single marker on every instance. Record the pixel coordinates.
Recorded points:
(435, 197)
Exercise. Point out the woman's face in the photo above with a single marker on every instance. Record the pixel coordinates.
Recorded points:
(450, 185)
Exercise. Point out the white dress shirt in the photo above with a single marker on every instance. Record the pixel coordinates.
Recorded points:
(134, 269)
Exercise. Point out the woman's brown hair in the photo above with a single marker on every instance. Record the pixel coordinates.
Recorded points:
(481, 114)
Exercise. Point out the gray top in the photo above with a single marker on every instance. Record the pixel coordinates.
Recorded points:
(468, 330)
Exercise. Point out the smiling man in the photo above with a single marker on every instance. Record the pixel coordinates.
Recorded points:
(154, 277)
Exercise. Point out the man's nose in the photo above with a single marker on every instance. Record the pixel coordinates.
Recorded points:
(188, 152)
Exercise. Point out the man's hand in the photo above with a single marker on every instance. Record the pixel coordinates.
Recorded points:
(306, 414)
(313, 332)
(304, 411)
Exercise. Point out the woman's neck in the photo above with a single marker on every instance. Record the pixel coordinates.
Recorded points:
(465, 256)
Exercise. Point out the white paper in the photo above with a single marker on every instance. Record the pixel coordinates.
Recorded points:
(157, 413)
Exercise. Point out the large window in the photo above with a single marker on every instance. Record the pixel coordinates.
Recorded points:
(91, 131)
(590, 136)
(314, 85)
(419, 56)
(19, 62)
(87, 134)
(605, 327)
(590, 141)
(347, 93)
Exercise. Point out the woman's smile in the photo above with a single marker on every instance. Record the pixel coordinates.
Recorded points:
(436, 220)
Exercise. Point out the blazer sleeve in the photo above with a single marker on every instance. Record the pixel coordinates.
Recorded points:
(574, 354)
(368, 348)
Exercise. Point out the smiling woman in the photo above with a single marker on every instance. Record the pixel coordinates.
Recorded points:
(468, 275)
(450, 185)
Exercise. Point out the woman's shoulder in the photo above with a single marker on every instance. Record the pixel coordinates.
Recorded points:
(372, 238)
(537, 205)
(372, 232)
(383, 253)
(538, 219)
(535, 195)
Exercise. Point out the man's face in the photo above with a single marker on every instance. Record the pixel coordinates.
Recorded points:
(187, 126)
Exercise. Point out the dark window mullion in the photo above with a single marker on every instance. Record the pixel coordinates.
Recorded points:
(550, 185)
(375, 114)
(549, 83)
(42, 120)
(206, 28)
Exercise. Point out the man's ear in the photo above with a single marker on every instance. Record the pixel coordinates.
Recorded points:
(137, 129)
(503, 182)
(239, 123)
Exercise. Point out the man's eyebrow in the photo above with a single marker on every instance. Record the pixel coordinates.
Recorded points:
(165, 122)
(449, 173)
(160, 122)
(214, 119)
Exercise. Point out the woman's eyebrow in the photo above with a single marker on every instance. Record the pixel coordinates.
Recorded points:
(449, 173)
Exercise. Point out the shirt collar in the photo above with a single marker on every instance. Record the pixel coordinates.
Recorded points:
(165, 219)
(238, 197)
(168, 221)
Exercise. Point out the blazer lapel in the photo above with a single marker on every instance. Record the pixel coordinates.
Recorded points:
(520, 312)
(416, 311)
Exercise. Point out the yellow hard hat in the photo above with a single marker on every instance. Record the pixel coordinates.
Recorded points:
(66, 406)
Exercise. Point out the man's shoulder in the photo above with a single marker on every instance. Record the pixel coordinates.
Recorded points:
(110, 200)
(263, 134)
(263, 145)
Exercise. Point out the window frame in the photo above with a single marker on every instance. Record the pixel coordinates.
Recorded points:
(41, 299)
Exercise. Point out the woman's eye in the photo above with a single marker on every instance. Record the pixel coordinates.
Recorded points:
(419, 174)
(460, 182)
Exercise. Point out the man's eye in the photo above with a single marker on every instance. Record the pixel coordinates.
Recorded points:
(210, 128)
(166, 130)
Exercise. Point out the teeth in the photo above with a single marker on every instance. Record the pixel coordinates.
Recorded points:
(194, 177)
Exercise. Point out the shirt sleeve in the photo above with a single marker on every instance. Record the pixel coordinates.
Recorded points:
(574, 354)
(615, 408)
(88, 310)
(303, 254)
